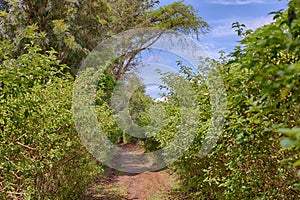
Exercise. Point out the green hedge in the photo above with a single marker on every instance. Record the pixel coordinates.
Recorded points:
(261, 79)
(41, 154)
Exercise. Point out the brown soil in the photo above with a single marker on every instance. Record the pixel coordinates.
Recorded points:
(115, 185)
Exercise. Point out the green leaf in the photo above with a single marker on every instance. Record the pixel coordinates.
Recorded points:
(287, 142)
(289, 132)
(297, 163)
(69, 143)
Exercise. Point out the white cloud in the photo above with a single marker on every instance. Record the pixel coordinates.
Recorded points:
(237, 2)
(223, 29)
(213, 52)
(222, 35)
(257, 22)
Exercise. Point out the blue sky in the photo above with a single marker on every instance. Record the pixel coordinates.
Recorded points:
(220, 14)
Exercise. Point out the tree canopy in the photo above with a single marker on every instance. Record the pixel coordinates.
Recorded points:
(74, 28)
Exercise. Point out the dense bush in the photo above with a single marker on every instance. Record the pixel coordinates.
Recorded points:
(261, 79)
(43, 158)
(41, 155)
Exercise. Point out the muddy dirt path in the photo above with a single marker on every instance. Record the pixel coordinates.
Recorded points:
(116, 185)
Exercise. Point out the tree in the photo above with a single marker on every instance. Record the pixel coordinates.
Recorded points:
(74, 28)
(176, 16)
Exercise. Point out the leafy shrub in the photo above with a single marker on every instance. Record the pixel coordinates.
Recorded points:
(41, 154)
(262, 86)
